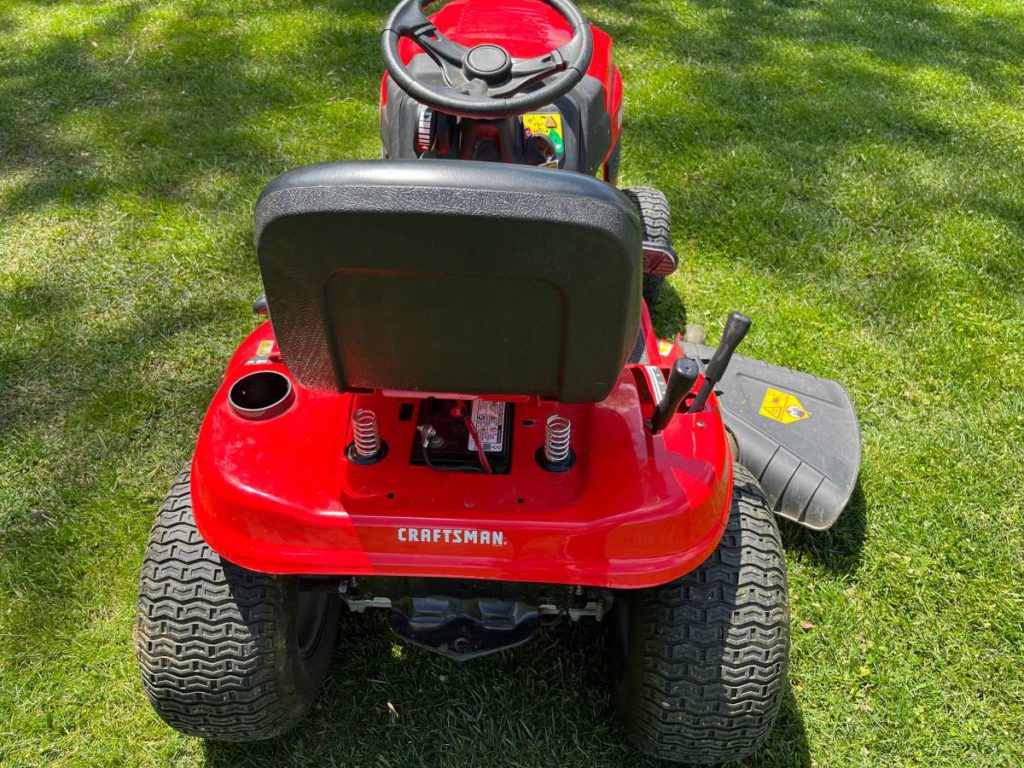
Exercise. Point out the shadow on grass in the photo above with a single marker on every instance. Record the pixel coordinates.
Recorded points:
(669, 315)
(180, 94)
(839, 549)
(106, 365)
(132, 111)
(773, 101)
(544, 704)
(106, 406)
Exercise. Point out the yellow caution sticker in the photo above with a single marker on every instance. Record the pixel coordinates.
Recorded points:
(546, 124)
(665, 347)
(782, 407)
(263, 353)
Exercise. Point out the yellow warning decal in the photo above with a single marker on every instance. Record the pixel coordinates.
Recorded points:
(546, 124)
(263, 353)
(782, 407)
(665, 347)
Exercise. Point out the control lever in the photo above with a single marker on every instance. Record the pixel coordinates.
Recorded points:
(736, 328)
(680, 381)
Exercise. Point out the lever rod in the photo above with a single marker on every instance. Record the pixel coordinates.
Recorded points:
(680, 381)
(736, 328)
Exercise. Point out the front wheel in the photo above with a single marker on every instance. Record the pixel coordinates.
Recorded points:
(656, 220)
(699, 664)
(225, 653)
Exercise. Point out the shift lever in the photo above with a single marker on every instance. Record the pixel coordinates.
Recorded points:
(736, 328)
(680, 381)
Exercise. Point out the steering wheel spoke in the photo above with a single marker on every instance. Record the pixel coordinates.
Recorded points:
(437, 46)
(542, 66)
(475, 87)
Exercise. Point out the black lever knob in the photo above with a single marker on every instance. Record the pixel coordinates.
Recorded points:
(736, 328)
(680, 381)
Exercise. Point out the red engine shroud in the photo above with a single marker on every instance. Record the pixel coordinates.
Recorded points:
(636, 510)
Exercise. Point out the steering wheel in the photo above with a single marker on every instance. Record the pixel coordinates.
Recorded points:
(485, 81)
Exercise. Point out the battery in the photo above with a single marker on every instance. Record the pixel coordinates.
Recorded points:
(453, 445)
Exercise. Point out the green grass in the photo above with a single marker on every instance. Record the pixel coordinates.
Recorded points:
(848, 172)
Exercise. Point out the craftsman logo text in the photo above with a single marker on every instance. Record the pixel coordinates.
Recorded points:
(452, 536)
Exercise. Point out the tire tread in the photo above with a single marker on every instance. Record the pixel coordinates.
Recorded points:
(656, 220)
(207, 636)
(710, 676)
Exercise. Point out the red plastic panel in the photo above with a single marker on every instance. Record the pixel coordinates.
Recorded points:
(279, 496)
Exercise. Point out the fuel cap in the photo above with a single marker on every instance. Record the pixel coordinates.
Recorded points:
(490, 63)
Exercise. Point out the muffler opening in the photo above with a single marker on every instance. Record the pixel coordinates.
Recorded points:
(261, 395)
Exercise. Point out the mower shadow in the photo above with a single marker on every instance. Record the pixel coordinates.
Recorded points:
(669, 315)
(839, 549)
(386, 704)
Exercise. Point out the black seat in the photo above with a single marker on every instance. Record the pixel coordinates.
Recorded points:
(451, 277)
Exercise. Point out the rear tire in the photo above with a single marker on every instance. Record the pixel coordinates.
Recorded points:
(656, 217)
(699, 664)
(225, 653)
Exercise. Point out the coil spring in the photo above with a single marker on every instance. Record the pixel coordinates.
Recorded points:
(557, 433)
(365, 433)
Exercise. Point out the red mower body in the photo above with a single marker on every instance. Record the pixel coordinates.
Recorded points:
(279, 495)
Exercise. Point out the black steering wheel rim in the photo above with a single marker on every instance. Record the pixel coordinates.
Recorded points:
(481, 83)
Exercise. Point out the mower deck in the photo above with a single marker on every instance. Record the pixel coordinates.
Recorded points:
(279, 495)
(797, 433)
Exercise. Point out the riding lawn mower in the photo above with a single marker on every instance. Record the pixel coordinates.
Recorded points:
(458, 413)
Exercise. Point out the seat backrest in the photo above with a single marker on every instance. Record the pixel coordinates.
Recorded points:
(451, 277)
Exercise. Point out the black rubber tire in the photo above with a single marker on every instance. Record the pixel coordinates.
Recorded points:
(219, 646)
(699, 665)
(656, 217)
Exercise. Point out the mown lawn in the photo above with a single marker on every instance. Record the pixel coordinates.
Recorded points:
(848, 172)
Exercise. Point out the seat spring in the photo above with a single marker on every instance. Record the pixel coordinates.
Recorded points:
(557, 434)
(366, 433)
